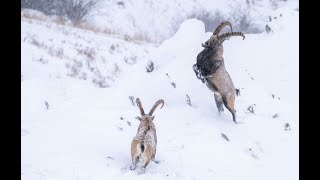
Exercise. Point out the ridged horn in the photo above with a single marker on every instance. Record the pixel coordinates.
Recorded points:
(222, 25)
(138, 102)
(229, 34)
(155, 106)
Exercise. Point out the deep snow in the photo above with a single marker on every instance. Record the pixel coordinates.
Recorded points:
(82, 136)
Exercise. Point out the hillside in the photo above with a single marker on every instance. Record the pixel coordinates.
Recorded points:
(78, 120)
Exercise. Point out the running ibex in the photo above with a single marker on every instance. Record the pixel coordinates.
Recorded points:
(145, 142)
(211, 70)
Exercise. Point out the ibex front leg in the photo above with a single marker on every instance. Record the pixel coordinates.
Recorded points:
(219, 102)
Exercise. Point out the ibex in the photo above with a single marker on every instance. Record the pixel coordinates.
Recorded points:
(145, 142)
(211, 70)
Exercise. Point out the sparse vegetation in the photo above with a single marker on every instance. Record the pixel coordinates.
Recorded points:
(188, 100)
(75, 10)
(275, 116)
(225, 137)
(88, 52)
(132, 100)
(74, 68)
(46, 104)
(150, 67)
(267, 28)
(172, 83)
(250, 109)
(287, 127)
(42, 60)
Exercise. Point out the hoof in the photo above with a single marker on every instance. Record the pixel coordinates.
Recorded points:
(132, 167)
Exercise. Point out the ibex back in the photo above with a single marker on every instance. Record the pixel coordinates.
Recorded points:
(144, 144)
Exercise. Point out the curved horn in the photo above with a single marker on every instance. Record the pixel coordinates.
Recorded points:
(229, 34)
(155, 106)
(222, 25)
(138, 102)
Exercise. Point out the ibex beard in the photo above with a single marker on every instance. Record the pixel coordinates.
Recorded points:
(143, 145)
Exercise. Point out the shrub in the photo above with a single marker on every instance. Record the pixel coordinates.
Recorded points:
(75, 10)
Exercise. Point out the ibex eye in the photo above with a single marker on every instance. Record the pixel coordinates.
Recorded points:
(206, 43)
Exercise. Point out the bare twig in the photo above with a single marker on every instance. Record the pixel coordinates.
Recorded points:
(172, 83)
(188, 100)
(225, 136)
(47, 104)
(132, 100)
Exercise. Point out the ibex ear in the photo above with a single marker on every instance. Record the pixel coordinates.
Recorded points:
(152, 117)
(139, 118)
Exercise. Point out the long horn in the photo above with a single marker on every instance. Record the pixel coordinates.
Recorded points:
(222, 25)
(138, 102)
(229, 34)
(155, 106)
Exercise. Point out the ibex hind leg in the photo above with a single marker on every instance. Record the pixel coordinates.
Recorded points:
(154, 159)
(229, 103)
(219, 102)
(135, 161)
(145, 164)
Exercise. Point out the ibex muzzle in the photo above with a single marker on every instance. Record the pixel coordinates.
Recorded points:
(210, 69)
(143, 145)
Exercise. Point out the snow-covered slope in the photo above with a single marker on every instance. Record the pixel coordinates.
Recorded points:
(72, 129)
(156, 21)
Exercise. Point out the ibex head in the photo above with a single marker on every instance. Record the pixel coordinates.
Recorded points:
(216, 40)
(145, 118)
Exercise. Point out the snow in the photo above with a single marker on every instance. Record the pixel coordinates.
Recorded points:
(81, 134)
(159, 20)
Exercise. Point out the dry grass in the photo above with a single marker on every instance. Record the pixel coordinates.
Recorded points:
(31, 14)
(138, 38)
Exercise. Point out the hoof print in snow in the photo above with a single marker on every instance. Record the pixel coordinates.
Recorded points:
(131, 60)
(188, 100)
(47, 104)
(121, 118)
(287, 127)
(150, 67)
(275, 116)
(238, 92)
(120, 128)
(132, 100)
(225, 136)
(129, 123)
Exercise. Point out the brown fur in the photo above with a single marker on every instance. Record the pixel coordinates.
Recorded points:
(143, 145)
(210, 68)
